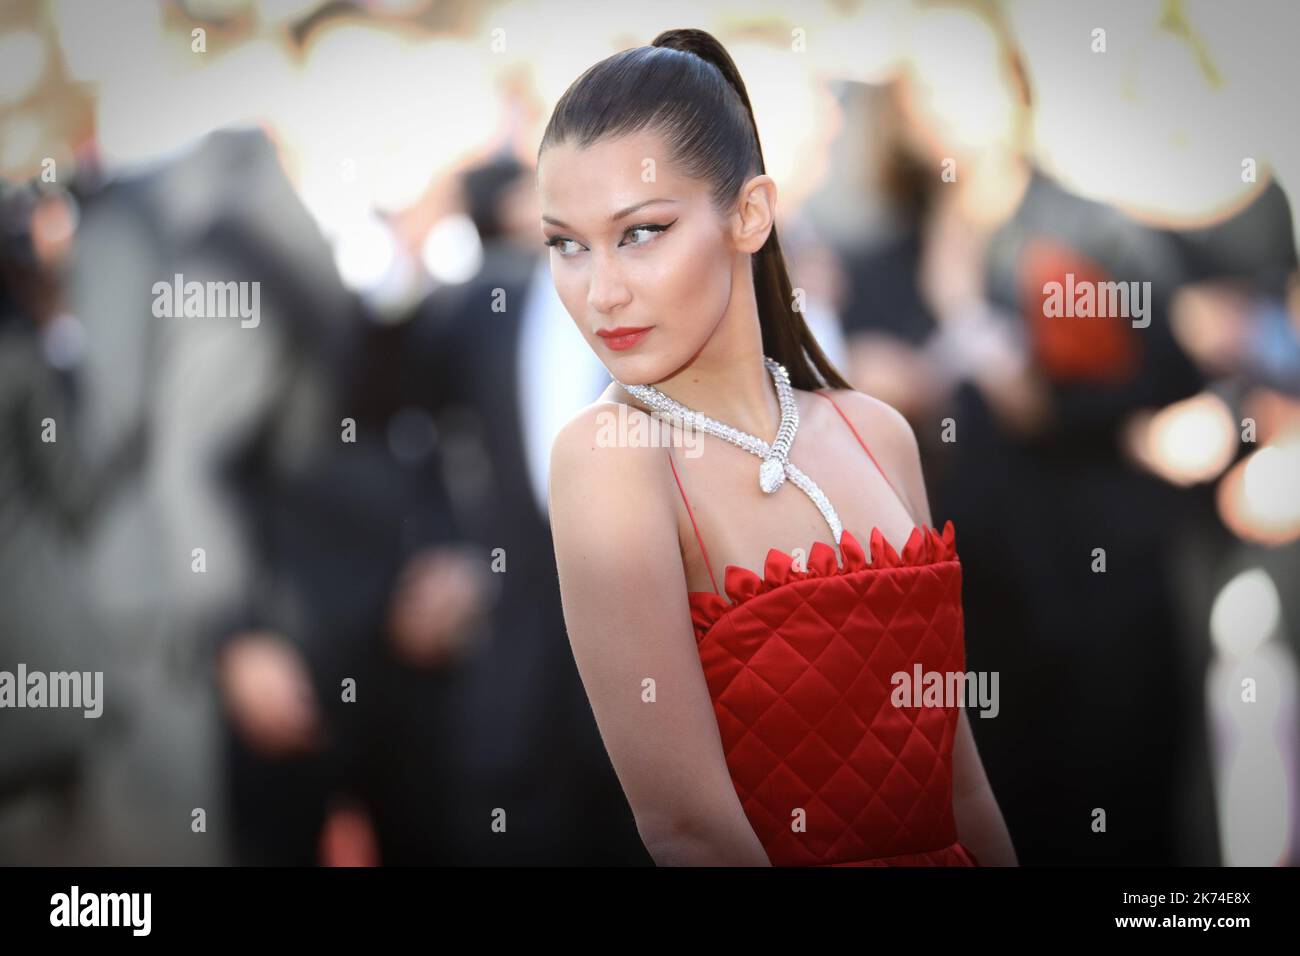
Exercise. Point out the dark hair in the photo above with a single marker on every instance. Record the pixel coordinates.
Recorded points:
(686, 86)
(482, 187)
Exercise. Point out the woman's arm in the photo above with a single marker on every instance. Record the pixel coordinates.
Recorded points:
(623, 590)
(979, 820)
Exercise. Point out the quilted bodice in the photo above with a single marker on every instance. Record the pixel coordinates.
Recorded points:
(800, 664)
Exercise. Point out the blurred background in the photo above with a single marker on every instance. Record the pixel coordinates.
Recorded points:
(309, 551)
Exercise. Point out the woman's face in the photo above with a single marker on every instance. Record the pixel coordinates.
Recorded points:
(634, 246)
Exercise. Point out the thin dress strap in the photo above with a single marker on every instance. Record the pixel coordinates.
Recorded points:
(703, 550)
(901, 499)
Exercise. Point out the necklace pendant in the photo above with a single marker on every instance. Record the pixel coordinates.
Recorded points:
(771, 475)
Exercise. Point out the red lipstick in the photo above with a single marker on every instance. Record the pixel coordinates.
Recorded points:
(623, 337)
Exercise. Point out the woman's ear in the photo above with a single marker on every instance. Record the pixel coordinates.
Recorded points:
(755, 213)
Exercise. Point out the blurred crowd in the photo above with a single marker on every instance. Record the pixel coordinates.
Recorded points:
(310, 552)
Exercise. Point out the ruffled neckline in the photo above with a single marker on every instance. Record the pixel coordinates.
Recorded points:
(925, 545)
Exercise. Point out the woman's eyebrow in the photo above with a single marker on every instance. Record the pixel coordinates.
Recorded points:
(614, 218)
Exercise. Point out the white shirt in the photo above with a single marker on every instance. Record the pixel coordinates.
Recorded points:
(558, 375)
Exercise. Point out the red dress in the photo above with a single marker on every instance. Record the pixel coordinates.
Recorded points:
(799, 667)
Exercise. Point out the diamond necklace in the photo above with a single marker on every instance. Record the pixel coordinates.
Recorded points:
(776, 464)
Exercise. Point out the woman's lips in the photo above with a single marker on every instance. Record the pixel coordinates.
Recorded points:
(623, 337)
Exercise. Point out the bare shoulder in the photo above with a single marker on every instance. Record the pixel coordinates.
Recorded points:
(603, 453)
(883, 427)
(889, 435)
(607, 431)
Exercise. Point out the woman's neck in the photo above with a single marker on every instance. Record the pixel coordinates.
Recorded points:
(727, 379)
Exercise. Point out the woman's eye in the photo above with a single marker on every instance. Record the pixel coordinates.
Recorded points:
(556, 243)
(647, 229)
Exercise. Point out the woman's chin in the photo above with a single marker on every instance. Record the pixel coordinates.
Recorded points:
(636, 369)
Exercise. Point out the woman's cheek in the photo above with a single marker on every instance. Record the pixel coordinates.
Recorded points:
(676, 281)
(710, 287)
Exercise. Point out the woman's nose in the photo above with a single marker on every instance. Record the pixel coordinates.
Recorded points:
(608, 289)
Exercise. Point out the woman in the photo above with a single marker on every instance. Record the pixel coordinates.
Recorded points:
(755, 728)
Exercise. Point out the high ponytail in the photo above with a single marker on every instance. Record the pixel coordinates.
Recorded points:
(686, 86)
